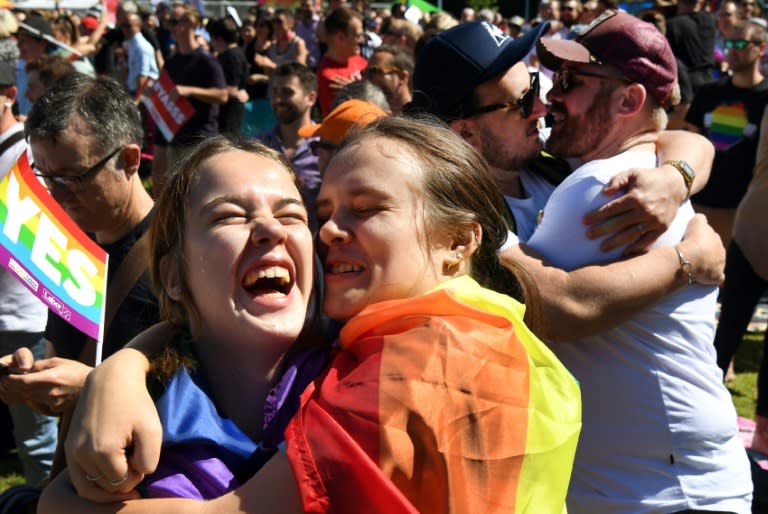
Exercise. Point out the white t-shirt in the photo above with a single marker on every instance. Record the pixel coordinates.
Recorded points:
(659, 428)
(20, 310)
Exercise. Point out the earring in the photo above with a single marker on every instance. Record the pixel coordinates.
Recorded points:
(459, 256)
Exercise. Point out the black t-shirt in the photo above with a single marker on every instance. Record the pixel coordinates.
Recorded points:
(730, 117)
(692, 38)
(137, 312)
(235, 69)
(199, 69)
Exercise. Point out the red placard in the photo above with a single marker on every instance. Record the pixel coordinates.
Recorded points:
(169, 114)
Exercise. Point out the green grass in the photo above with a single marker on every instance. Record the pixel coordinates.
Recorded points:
(744, 387)
(10, 472)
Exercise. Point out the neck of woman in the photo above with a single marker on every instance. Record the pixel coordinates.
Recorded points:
(238, 383)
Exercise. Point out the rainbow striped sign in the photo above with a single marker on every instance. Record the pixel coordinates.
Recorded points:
(49, 253)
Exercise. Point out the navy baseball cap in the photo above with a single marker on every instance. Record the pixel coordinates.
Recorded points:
(454, 62)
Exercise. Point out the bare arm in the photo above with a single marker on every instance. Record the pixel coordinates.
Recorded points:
(595, 298)
(211, 95)
(652, 197)
(115, 413)
(301, 51)
(271, 490)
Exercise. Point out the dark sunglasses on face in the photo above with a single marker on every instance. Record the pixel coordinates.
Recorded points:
(374, 69)
(315, 147)
(74, 183)
(524, 104)
(739, 44)
(564, 78)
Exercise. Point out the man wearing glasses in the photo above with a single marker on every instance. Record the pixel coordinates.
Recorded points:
(473, 77)
(659, 429)
(390, 68)
(728, 111)
(84, 136)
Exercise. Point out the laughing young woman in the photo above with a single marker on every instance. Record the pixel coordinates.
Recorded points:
(438, 398)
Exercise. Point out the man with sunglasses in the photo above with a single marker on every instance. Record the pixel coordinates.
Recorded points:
(473, 77)
(659, 430)
(728, 111)
(84, 136)
(390, 68)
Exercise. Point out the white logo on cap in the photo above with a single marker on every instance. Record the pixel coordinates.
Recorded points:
(496, 33)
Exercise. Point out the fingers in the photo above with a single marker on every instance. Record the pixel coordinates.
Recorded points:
(146, 448)
(642, 244)
(97, 487)
(618, 182)
(23, 359)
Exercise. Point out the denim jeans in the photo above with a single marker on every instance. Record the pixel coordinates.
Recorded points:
(35, 433)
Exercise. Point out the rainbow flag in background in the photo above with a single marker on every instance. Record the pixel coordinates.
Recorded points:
(442, 403)
(49, 253)
(727, 126)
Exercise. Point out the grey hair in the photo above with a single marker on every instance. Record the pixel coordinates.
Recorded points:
(100, 103)
(362, 90)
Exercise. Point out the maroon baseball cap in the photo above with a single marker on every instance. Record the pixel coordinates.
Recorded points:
(617, 39)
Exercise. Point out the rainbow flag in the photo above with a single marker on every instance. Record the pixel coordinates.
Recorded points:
(49, 253)
(728, 123)
(442, 403)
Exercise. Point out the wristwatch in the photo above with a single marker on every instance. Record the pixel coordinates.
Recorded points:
(685, 170)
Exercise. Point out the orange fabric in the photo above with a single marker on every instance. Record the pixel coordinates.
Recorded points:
(424, 409)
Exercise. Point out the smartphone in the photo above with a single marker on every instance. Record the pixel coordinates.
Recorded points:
(7, 370)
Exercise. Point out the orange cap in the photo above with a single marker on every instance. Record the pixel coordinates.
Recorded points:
(335, 126)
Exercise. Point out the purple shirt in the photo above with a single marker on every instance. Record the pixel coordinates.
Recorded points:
(304, 164)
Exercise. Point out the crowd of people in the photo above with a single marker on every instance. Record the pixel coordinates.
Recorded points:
(392, 259)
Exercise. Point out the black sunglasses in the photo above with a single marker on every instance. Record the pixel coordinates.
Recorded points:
(74, 183)
(564, 78)
(524, 104)
(315, 146)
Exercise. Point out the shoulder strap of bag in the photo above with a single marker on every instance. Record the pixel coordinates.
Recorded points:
(129, 272)
(12, 140)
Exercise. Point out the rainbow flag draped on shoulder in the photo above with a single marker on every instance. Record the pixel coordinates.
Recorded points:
(443, 403)
(49, 253)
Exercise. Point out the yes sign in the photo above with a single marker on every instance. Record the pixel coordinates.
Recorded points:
(47, 251)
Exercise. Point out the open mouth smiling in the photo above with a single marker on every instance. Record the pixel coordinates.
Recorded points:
(270, 280)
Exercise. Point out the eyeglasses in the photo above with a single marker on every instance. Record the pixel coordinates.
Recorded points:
(564, 78)
(739, 44)
(524, 104)
(375, 69)
(176, 21)
(315, 147)
(74, 183)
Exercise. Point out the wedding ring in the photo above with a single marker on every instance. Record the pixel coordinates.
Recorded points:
(93, 479)
(120, 481)
(640, 228)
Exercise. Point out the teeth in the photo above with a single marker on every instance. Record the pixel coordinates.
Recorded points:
(345, 268)
(273, 272)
